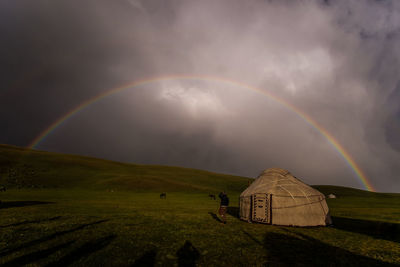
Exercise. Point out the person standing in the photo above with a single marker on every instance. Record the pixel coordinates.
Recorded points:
(223, 207)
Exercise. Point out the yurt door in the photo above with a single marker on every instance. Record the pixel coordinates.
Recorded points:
(261, 211)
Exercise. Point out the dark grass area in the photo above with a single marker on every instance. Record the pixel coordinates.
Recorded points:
(375, 229)
(46, 238)
(303, 250)
(13, 204)
(84, 250)
(31, 221)
(29, 258)
(187, 255)
(233, 211)
(147, 259)
(215, 217)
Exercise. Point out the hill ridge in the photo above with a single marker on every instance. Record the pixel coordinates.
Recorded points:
(29, 168)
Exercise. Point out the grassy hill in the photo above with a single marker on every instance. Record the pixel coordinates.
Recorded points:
(58, 211)
(341, 191)
(26, 168)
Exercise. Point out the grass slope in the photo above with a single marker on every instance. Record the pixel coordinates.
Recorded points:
(26, 168)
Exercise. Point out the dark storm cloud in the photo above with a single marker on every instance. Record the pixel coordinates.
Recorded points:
(54, 55)
(338, 61)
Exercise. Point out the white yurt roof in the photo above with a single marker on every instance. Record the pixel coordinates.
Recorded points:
(279, 182)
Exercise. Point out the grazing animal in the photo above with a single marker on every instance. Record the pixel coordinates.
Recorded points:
(212, 196)
(2, 188)
(163, 195)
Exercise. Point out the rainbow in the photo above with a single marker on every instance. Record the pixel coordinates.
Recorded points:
(336, 145)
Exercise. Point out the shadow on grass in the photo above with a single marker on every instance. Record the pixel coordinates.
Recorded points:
(35, 256)
(302, 250)
(187, 255)
(252, 237)
(376, 229)
(15, 204)
(215, 217)
(233, 211)
(147, 259)
(28, 222)
(84, 251)
(47, 238)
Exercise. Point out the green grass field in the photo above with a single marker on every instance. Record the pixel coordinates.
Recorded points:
(101, 213)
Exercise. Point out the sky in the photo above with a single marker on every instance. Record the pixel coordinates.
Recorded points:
(338, 62)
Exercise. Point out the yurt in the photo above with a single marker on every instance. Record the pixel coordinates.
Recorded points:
(277, 197)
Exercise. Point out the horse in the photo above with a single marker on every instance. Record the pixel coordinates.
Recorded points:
(163, 195)
(212, 196)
